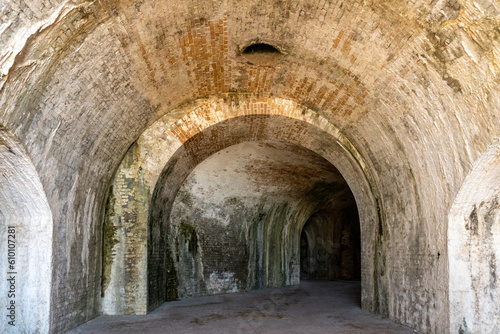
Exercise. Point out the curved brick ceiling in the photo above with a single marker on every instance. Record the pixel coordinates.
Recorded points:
(118, 66)
(414, 85)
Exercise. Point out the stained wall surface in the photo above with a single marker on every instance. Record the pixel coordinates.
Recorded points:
(473, 243)
(26, 242)
(240, 208)
(413, 86)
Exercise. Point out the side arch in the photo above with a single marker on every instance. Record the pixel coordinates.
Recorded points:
(474, 249)
(174, 149)
(25, 242)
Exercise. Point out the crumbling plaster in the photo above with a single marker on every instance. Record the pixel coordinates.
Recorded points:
(474, 248)
(26, 241)
(245, 205)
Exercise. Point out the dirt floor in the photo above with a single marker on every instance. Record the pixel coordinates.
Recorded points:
(312, 307)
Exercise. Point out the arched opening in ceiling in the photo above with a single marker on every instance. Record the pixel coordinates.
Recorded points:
(260, 48)
(261, 54)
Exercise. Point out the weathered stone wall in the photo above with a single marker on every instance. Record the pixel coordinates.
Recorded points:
(124, 273)
(239, 205)
(413, 85)
(124, 254)
(25, 242)
(474, 248)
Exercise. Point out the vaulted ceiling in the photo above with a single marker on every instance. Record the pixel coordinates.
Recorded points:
(412, 84)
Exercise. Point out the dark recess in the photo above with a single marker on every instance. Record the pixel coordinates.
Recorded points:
(260, 48)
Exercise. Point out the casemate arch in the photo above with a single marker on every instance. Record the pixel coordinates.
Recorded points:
(474, 248)
(234, 222)
(147, 182)
(25, 241)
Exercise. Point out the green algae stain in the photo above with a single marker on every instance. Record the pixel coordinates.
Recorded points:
(171, 279)
(109, 240)
(189, 233)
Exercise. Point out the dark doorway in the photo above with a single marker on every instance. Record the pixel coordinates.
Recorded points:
(330, 244)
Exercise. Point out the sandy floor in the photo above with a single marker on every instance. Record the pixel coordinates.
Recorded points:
(314, 307)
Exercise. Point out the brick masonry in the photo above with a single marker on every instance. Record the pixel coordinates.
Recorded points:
(413, 85)
(158, 149)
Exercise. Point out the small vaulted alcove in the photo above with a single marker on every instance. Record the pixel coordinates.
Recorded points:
(261, 54)
(330, 245)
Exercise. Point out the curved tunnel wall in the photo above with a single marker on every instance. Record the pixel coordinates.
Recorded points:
(474, 248)
(83, 79)
(25, 242)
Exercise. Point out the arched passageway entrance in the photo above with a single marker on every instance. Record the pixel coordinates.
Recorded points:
(150, 229)
(330, 245)
(235, 221)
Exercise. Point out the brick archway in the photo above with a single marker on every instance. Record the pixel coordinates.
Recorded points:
(169, 150)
